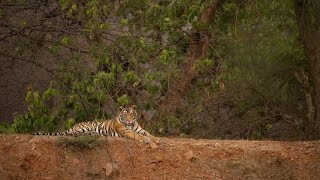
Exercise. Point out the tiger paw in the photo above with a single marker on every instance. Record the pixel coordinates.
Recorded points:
(147, 140)
(155, 139)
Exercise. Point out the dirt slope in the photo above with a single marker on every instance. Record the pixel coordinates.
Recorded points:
(30, 157)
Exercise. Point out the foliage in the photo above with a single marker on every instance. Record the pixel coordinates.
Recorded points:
(38, 116)
(117, 53)
(110, 71)
(265, 63)
(257, 43)
(6, 128)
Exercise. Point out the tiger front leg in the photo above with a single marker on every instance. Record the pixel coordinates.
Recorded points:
(147, 134)
(148, 137)
(143, 132)
(136, 136)
(138, 129)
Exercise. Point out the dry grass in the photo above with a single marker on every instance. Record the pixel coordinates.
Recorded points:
(79, 142)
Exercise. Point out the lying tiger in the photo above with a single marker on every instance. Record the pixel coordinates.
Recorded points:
(123, 125)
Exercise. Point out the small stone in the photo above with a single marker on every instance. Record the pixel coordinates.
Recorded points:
(157, 140)
(33, 146)
(172, 145)
(159, 158)
(153, 145)
(152, 166)
(111, 169)
(75, 161)
(36, 153)
(178, 157)
(140, 145)
(189, 155)
(284, 154)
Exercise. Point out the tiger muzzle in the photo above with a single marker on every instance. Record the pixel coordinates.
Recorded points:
(130, 125)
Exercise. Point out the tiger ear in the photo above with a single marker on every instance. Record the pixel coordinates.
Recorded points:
(134, 107)
(121, 108)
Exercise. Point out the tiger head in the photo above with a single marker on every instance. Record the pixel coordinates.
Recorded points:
(128, 116)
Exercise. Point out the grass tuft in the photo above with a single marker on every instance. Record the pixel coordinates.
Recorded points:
(79, 142)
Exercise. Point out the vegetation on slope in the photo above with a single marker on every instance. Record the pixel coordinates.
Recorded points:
(210, 69)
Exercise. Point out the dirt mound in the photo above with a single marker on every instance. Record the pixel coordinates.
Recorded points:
(39, 157)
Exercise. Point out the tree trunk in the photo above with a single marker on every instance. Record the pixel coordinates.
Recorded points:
(308, 18)
(197, 49)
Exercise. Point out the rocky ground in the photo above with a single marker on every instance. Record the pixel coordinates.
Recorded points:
(40, 157)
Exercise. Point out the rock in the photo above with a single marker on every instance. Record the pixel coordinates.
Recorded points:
(159, 158)
(284, 155)
(36, 153)
(178, 157)
(157, 141)
(111, 169)
(75, 161)
(140, 145)
(147, 140)
(154, 160)
(33, 146)
(153, 145)
(189, 155)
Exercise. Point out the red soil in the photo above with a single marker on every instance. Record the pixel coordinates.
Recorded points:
(39, 157)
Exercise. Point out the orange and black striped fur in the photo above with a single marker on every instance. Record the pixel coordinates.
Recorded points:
(123, 125)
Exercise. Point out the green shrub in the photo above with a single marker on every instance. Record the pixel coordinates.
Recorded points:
(38, 116)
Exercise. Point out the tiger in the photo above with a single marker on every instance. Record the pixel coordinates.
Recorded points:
(123, 125)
